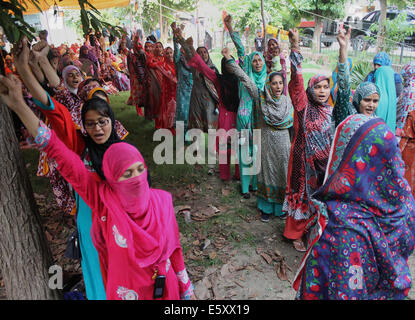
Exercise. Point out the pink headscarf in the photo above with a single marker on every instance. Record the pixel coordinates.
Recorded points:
(133, 193)
(141, 228)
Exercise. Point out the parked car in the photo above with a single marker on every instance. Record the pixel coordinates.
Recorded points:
(329, 30)
(361, 28)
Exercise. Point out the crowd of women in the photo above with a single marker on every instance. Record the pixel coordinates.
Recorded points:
(336, 165)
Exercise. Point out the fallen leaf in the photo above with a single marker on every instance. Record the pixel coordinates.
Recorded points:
(205, 244)
(266, 257)
(226, 192)
(212, 255)
(239, 268)
(215, 210)
(179, 209)
(250, 268)
(202, 289)
(281, 269)
(277, 252)
(253, 295)
(259, 250)
(224, 271)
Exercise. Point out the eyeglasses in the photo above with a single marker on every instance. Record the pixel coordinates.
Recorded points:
(92, 124)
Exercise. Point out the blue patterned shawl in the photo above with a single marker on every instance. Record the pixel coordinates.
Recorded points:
(364, 231)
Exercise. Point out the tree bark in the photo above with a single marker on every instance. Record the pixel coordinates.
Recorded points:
(263, 22)
(25, 257)
(382, 28)
(317, 33)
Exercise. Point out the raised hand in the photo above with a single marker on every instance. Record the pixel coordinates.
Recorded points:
(21, 53)
(189, 41)
(173, 27)
(40, 45)
(228, 23)
(343, 38)
(14, 96)
(177, 32)
(38, 52)
(294, 37)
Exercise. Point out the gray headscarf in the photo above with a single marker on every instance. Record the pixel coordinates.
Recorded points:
(363, 90)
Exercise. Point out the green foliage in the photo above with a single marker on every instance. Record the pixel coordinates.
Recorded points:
(11, 20)
(396, 31)
(359, 73)
(150, 12)
(92, 18)
(14, 27)
(113, 16)
(332, 9)
(247, 13)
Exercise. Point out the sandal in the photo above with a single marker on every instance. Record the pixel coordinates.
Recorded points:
(246, 195)
(299, 245)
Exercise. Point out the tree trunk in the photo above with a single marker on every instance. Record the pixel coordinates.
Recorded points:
(25, 257)
(161, 23)
(382, 28)
(263, 22)
(317, 33)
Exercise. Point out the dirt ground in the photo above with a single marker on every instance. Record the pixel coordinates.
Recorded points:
(263, 269)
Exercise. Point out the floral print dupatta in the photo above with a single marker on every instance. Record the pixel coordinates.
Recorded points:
(364, 231)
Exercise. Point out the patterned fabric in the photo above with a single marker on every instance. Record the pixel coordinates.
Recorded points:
(136, 62)
(244, 118)
(383, 59)
(43, 135)
(120, 80)
(362, 91)
(333, 80)
(152, 89)
(272, 65)
(184, 86)
(226, 120)
(47, 167)
(343, 107)
(318, 133)
(203, 101)
(406, 102)
(273, 116)
(407, 147)
(168, 96)
(276, 64)
(86, 91)
(365, 227)
(296, 200)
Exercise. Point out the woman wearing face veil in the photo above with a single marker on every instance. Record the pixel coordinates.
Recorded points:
(134, 227)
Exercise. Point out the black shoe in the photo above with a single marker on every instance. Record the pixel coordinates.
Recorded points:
(246, 195)
(264, 217)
